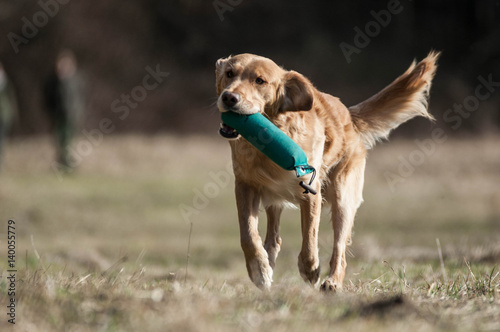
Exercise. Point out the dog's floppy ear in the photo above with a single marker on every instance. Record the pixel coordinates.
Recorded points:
(219, 64)
(297, 93)
(219, 67)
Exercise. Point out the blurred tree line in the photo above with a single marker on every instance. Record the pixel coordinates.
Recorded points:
(117, 44)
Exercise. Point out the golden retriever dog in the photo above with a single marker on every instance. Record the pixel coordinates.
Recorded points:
(335, 139)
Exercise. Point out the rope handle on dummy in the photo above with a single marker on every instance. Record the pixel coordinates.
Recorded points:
(272, 142)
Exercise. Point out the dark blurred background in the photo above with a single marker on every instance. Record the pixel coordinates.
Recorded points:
(115, 41)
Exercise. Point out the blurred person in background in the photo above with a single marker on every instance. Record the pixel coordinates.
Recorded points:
(7, 107)
(62, 91)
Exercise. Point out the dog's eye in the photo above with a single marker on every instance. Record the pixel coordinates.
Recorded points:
(230, 74)
(259, 81)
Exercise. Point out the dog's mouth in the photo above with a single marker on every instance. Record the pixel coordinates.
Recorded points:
(228, 132)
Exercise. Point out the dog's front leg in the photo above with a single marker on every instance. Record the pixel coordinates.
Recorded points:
(248, 201)
(310, 212)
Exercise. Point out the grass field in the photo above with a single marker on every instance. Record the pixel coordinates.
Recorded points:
(106, 248)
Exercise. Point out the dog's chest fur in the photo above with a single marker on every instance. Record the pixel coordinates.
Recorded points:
(276, 184)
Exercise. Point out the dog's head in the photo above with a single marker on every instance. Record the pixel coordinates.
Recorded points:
(247, 84)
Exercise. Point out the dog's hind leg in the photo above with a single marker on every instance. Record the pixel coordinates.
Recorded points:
(248, 201)
(272, 244)
(345, 196)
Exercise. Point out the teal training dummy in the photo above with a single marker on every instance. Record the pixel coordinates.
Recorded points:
(272, 142)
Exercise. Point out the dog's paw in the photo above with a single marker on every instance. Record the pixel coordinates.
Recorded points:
(272, 252)
(260, 273)
(309, 272)
(330, 286)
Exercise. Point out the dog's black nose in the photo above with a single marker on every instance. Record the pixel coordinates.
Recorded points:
(230, 99)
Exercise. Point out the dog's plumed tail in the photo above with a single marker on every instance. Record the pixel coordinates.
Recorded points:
(400, 101)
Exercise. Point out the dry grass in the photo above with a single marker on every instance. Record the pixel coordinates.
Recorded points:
(105, 249)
